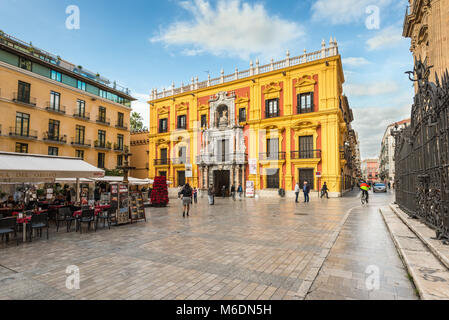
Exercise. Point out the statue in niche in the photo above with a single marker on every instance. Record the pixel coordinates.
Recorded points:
(223, 119)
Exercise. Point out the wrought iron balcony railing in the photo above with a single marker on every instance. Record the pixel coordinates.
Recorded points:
(105, 121)
(306, 154)
(102, 145)
(180, 160)
(81, 142)
(54, 108)
(24, 99)
(22, 133)
(81, 115)
(275, 156)
(121, 125)
(161, 162)
(55, 138)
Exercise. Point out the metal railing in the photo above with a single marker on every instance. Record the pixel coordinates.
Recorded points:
(180, 160)
(276, 156)
(80, 115)
(161, 162)
(22, 133)
(306, 154)
(121, 125)
(54, 108)
(102, 145)
(55, 138)
(81, 142)
(105, 121)
(31, 101)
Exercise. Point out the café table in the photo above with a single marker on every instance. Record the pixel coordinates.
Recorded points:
(98, 210)
(25, 220)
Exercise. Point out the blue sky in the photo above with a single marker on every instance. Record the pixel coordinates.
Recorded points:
(148, 44)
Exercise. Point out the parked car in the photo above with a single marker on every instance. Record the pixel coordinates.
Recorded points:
(379, 187)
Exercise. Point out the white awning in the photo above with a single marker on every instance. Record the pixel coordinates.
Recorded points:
(19, 167)
(132, 181)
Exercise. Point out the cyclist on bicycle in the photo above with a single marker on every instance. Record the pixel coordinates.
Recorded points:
(365, 188)
(324, 191)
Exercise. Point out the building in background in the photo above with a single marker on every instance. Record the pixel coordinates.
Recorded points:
(426, 24)
(386, 158)
(370, 170)
(50, 106)
(139, 150)
(272, 126)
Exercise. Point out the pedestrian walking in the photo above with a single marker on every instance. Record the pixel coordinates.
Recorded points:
(223, 191)
(240, 191)
(195, 195)
(389, 185)
(324, 191)
(186, 194)
(297, 190)
(210, 194)
(233, 192)
(306, 190)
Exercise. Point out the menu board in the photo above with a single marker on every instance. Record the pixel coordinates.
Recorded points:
(123, 204)
(250, 189)
(137, 207)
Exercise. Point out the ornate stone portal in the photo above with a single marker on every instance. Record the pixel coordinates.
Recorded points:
(223, 152)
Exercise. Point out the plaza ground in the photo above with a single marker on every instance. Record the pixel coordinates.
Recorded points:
(250, 249)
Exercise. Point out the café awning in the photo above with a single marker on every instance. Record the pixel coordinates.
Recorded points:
(132, 181)
(19, 167)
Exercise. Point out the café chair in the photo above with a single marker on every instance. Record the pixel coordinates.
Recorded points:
(38, 222)
(8, 226)
(64, 215)
(87, 216)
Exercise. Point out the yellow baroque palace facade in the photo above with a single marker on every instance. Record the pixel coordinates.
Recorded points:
(273, 126)
(52, 107)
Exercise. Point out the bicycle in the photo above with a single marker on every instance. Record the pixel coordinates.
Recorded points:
(364, 198)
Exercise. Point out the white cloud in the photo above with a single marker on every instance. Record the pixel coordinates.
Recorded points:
(141, 106)
(231, 28)
(388, 37)
(371, 123)
(371, 89)
(343, 11)
(355, 61)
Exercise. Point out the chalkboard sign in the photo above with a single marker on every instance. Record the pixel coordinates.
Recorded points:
(137, 207)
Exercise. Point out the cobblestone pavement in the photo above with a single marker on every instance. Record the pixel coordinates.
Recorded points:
(251, 249)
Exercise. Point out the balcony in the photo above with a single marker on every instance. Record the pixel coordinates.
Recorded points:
(120, 148)
(56, 109)
(82, 116)
(21, 133)
(228, 158)
(121, 125)
(78, 142)
(102, 145)
(178, 161)
(104, 121)
(272, 156)
(55, 138)
(306, 154)
(24, 100)
(161, 162)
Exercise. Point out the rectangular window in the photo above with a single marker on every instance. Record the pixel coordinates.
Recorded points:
(120, 141)
(102, 114)
(79, 138)
(164, 158)
(25, 64)
(181, 175)
(22, 124)
(21, 147)
(101, 138)
(81, 85)
(242, 114)
(273, 149)
(103, 94)
(182, 153)
(272, 108)
(204, 121)
(55, 99)
(306, 147)
(119, 160)
(101, 157)
(55, 75)
(182, 123)
(80, 108)
(79, 154)
(53, 151)
(306, 175)
(53, 129)
(23, 94)
(120, 117)
(163, 125)
(305, 102)
(273, 178)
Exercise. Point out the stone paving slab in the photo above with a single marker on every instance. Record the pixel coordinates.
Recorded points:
(430, 276)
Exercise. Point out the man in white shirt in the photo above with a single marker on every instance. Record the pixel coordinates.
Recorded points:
(297, 190)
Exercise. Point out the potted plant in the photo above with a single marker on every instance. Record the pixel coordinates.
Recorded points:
(108, 145)
(115, 146)
(80, 67)
(96, 143)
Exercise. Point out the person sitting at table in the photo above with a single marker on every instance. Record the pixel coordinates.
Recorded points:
(10, 203)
